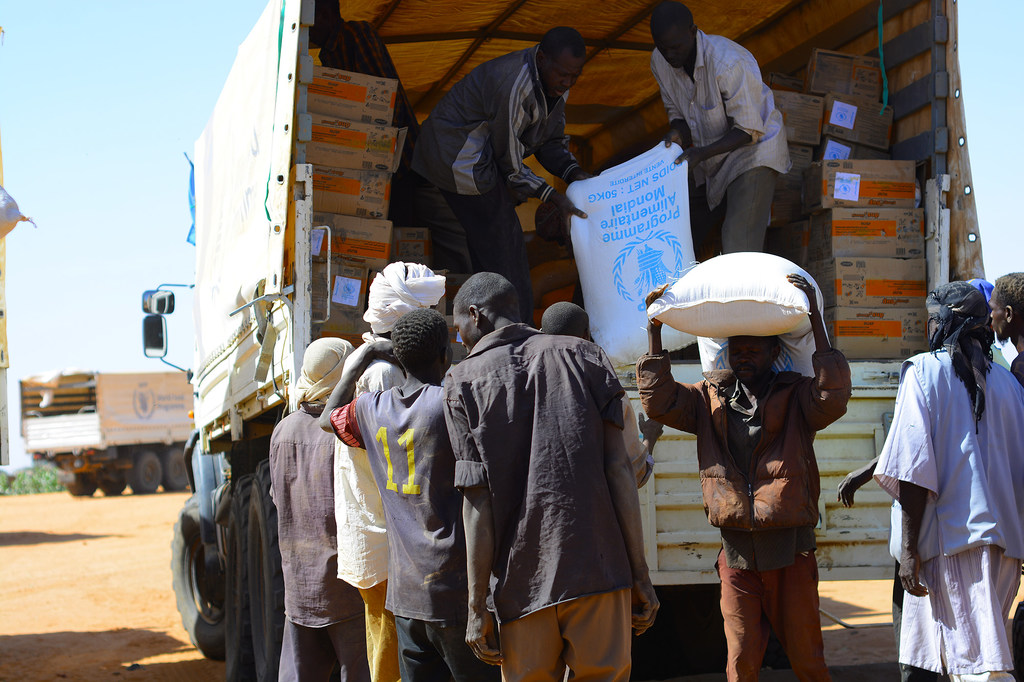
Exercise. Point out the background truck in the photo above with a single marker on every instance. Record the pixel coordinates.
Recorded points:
(108, 430)
(255, 292)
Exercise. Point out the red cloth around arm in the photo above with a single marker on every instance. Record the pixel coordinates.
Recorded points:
(343, 419)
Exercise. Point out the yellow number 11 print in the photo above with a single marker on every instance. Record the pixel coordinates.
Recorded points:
(405, 439)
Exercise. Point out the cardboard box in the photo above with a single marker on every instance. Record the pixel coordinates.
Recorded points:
(353, 96)
(849, 183)
(780, 81)
(884, 334)
(351, 192)
(834, 149)
(412, 245)
(802, 116)
(339, 143)
(856, 119)
(362, 240)
(871, 282)
(345, 293)
(790, 242)
(866, 232)
(844, 74)
(787, 202)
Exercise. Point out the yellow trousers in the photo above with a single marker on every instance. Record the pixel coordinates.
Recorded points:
(381, 639)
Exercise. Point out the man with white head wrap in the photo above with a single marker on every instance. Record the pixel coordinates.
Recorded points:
(951, 461)
(362, 531)
(324, 616)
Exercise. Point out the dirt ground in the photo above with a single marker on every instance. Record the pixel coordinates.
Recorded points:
(87, 596)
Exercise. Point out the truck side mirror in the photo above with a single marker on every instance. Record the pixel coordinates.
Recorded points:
(154, 336)
(158, 302)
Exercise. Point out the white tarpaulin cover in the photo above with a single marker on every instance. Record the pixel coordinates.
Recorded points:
(232, 165)
(635, 238)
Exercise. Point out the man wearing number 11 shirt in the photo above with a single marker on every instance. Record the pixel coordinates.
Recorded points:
(405, 437)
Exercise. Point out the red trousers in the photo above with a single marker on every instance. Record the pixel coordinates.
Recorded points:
(785, 599)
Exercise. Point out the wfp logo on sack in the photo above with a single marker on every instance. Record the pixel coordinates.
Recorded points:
(645, 264)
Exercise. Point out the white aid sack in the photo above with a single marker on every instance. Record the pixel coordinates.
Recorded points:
(742, 294)
(635, 239)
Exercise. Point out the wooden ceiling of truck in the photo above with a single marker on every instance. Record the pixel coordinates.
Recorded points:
(615, 103)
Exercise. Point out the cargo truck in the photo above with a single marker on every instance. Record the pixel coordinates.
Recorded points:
(109, 430)
(256, 292)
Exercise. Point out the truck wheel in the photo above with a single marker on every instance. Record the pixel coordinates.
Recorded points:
(112, 483)
(266, 580)
(240, 665)
(175, 478)
(81, 485)
(202, 613)
(1018, 641)
(144, 476)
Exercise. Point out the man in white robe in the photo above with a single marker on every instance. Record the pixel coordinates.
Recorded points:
(952, 462)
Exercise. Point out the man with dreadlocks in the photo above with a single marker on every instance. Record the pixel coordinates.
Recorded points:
(951, 462)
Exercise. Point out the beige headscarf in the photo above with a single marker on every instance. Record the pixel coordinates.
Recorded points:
(321, 369)
(400, 288)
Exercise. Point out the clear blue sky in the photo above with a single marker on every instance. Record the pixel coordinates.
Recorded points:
(99, 100)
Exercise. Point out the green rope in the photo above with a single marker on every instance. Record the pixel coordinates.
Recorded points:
(881, 61)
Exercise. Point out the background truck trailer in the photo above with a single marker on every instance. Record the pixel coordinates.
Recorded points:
(108, 430)
(254, 312)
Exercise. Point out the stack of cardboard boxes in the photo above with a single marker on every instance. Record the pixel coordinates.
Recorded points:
(354, 150)
(857, 230)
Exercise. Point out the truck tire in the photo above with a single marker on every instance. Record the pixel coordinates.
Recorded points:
(146, 472)
(266, 580)
(112, 483)
(175, 477)
(239, 663)
(200, 604)
(81, 485)
(1018, 641)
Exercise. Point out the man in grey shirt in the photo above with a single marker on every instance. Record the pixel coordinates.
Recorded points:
(551, 508)
(473, 144)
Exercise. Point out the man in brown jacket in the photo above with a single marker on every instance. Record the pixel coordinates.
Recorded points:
(755, 431)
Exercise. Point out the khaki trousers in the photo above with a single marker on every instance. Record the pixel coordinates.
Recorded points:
(381, 638)
(589, 635)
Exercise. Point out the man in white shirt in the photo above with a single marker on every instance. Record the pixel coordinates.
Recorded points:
(724, 118)
(952, 462)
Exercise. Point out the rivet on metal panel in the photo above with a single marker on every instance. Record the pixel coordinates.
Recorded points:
(277, 229)
(280, 179)
(956, 93)
(967, 189)
(961, 141)
(971, 237)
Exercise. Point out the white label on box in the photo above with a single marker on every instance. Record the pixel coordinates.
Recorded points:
(834, 151)
(317, 241)
(843, 114)
(346, 291)
(847, 186)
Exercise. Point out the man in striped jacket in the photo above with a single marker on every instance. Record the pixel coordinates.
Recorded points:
(473, 144)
